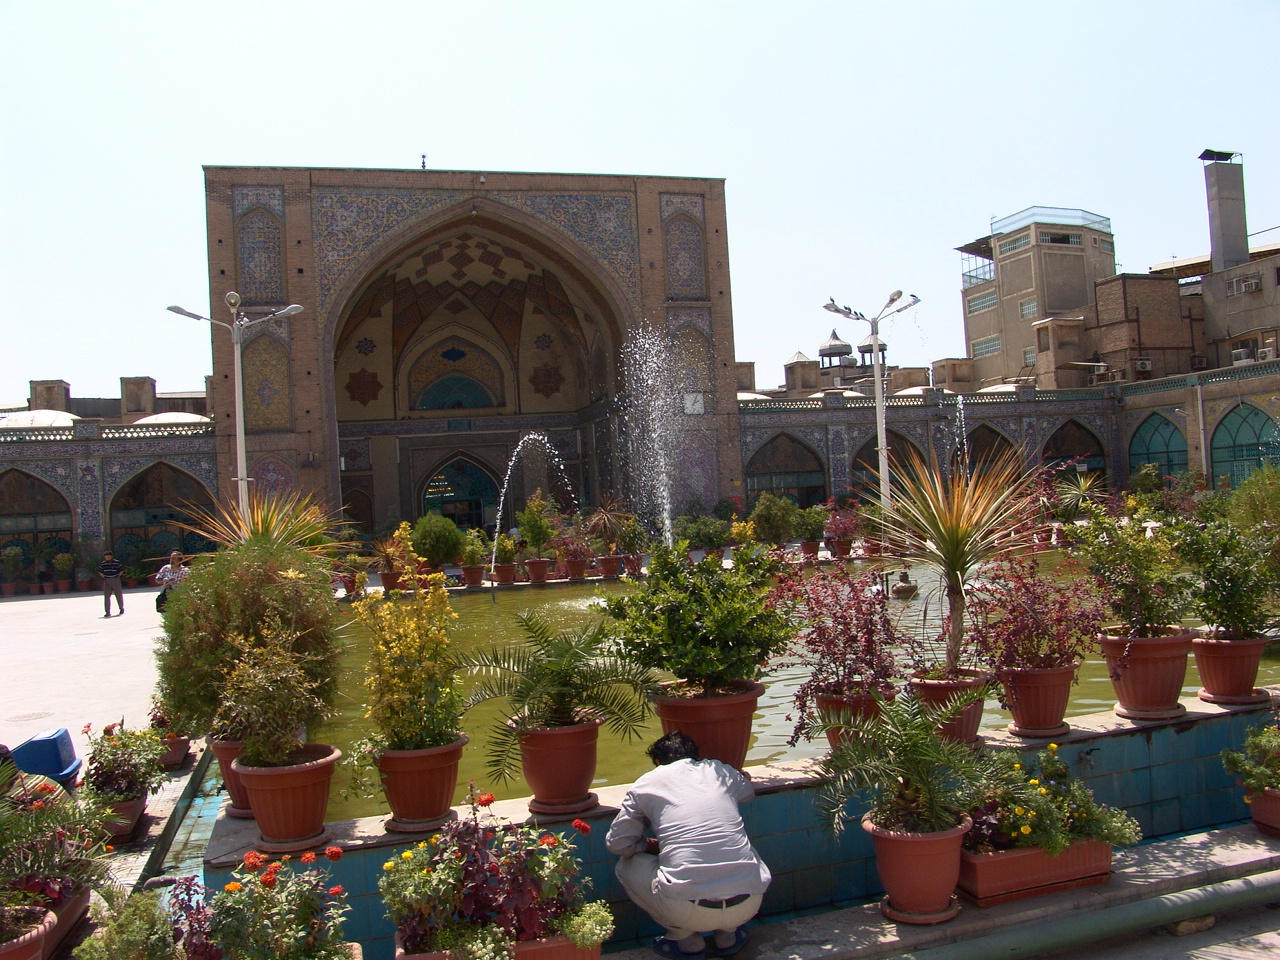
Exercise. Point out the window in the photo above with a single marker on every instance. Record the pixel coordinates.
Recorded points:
(1029, 357)
(1017, 243)
(1249, 283)
(1027, 308)
(1069, 238)
(1108, 246)
(984, 301)
(986, 346)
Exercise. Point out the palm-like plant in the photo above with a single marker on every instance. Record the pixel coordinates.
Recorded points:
(959, 523)
(919, 781)
(608, 519)
(286, 517)
(556, 680)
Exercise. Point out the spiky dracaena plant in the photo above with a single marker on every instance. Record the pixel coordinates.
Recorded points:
(284, 516)
(557, 680)
(918, 781)
(958, 523)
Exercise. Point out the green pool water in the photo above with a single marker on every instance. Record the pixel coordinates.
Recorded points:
(486, 616)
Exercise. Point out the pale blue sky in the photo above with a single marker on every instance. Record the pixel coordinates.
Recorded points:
(860, 142)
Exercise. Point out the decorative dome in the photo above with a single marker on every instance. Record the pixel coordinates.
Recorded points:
(39, 418)
(919, 391)
(1000, 388)
(176, 416)
(835, 347)
(748, 395)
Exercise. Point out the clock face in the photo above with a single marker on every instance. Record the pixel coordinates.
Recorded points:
(694, 403)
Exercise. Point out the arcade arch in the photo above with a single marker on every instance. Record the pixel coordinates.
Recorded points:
(787, 467)
(1243, 440)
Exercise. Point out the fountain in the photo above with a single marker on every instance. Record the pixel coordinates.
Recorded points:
(538, 438)
(652, 421)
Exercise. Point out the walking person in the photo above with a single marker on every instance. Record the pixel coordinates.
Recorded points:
(698, 873)
(109, 570)
(170, 575)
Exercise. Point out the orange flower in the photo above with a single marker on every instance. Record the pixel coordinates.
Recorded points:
(45, 788)
(308, 857)
(333, 853)
(109, 848)
(336, 890)
(549, 840)
(232, 887)
(37, 805)
(582, 827)
(485, 799)
(254, 860)
(268, 880)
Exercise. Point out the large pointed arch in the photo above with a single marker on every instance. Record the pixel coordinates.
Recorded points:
(1158, 441)
(987, 445)
(1243, 440)
(33, 513)
(462, 489)
(1073, 441)
(866, 462)
(788, 467)
(144, 512)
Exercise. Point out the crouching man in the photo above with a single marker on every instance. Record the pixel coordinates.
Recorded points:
(686, 860)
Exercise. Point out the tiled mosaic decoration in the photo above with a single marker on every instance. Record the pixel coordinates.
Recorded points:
(260, 259)
(267, 395)
(455, 356)
(686, 264)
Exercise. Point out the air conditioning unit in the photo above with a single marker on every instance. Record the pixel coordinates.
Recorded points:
(1250, 285)
(1199, 361)
(1239, 357)
(1091, 380)
(1115, 376)
(1144, 365)
(1266, 353)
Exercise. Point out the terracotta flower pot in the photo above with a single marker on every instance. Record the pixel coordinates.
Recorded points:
(548, 948)
(47, 586)
(504, 573)
(289, 802)
(964, 727)
(537, 570)
(125, 817)
(33, 589)
(419, 785)
(1229, 668)
(8, 589)
(1148, 681)
(63, 586)
(809, 550)
(633, 563)
(1264, 807)
(390, 581)
(1038, 699)
(918, 871)
(610, 567)
(991, 878)
(577, 569)
(30, 946)
(839, 548)
(721, 726)
(559, 764)
(473, 576)
(851, 706)
(225, 751)
(67, 912)
(176, 754)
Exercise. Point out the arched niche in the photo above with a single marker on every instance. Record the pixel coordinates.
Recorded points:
(1243, 440)
(267, 395)
(863, 476)
(33, 513)
(1073, 441)
(259, 253)
(1158, 441)
(987, 445)
(454, 370)
(787, 467)
(143, 514)
(462, 490)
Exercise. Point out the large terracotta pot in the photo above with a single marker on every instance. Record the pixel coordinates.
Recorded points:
(610, 567)
(1147, 673)
(839, 548)
(419, 785)
(634, 564)
(473, 576)
(175, 754)
(67, 912)
(30, 946)
(289, 802)
(125, 817)
(721, 726)
(832, 707)
(226, 751)
(559, 764)
(537, 570)
(1038, 699)
(390, 581)
(577, 569)
(1264, 807)
(8, 589)
(918, 871)
(809, 550)
(991, 878)
(550, 948)
(504, 573)
(964, 727)
(47, 586)
(33, 589)
(1229, 668)
(63, 586)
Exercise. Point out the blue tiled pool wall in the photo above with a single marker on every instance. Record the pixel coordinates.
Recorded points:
(1169, 777)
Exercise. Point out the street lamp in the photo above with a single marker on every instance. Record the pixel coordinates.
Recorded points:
(237, 327)
(882, 439)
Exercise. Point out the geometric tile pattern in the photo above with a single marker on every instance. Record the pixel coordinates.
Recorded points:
(89, 500)
(697, 317)
(272, 475)
(260, 254)
(363, 386)
(686, 267)
(267, 406)
(839, 458)
(689, 204)
(456, 357)
(244, 199)
(355, 455)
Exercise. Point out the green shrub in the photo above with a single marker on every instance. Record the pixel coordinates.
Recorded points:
(437, 539)
(141, 930)
(773, 518)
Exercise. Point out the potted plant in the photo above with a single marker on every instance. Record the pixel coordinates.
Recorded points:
(1234, 586)
(844, 525)
(608, 560)
(124, 769)
(63, 566)
(389, 555)
(476, 549)
(559, 689)
(504, 558)
(134, 573)
(51, 857)
(176, 743)
(141, 928)
(282, 909)
(484, 888)
(956, 525)
(1036, 829)
(607, 520)
(633, 541)
(536, 530)
(270, 699)
(713, 627)
(1033, 631)
(844, 644)
(573, 550)
(1148, 593)
(11, 564)
(1258, 768)
(773, 519)
(437, 540)
(414, 703)
(920, 786)
(809, 526)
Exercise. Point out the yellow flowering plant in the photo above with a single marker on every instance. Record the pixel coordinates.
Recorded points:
(1040, 804)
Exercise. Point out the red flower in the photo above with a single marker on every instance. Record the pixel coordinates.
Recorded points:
(273, 868)
(45, 788)
(336, 890)
(333, 853)
(268, 879)
(582, 827)
(37, 805)
(308, 857)
(549, 840)
(485, 799)
(87, 727)
(255, 861)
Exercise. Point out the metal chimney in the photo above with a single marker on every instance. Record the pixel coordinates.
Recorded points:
(1224, 184)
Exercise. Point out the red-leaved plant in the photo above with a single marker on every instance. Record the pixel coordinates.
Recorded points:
(844, 636)
(843, 520)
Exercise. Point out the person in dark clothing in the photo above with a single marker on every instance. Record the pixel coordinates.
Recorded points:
(109, 570)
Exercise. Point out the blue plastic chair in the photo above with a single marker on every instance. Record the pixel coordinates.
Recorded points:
(51, 754)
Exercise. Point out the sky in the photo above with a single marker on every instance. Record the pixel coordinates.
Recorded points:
(860, 142)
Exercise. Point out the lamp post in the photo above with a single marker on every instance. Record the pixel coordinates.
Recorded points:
(237, 327)
(882, 439)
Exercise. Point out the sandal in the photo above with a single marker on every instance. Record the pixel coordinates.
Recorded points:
(740, 938)
(669, 948)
